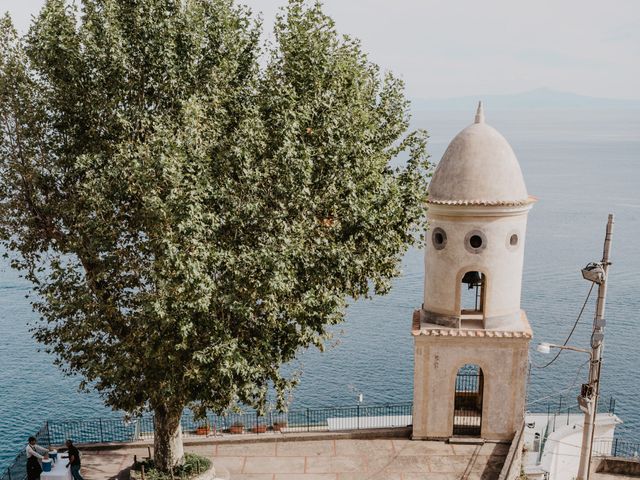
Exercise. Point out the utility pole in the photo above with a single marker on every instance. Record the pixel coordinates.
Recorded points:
(588, 399)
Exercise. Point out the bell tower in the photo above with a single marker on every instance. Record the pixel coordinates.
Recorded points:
(471, 336)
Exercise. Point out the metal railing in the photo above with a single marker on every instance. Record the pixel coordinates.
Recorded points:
(356, 417)
(560, 415)
(118, 430)
(18, 468)
(616, 447)
(467, 404)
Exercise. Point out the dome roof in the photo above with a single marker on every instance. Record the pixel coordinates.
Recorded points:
(478, 168)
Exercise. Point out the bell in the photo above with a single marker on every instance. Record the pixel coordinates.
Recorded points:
(472, 279)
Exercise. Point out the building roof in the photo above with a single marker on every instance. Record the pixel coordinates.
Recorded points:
(478, 168)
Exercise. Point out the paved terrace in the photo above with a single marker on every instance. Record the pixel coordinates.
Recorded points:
(316, 457)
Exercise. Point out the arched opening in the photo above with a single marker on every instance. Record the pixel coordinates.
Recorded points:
(472, 294)
(467, 402)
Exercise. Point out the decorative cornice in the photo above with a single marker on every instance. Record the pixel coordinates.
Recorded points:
(483, 203)
(419, 327)
(455, 332)
(483, 208)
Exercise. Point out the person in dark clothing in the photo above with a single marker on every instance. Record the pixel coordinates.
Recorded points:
(74, 460)
(35, 454)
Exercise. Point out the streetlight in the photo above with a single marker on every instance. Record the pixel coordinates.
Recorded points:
(546, 348)
(585, 400)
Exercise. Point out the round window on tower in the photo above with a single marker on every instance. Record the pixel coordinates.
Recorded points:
(438, 238)
(513, 240)
(475, 241)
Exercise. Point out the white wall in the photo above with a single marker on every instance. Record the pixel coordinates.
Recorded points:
(561, 454)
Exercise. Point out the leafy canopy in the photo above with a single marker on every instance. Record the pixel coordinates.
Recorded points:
(193, 207)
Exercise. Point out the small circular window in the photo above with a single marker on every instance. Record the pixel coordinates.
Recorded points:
(475, 241)
(513, 240)
(439, 238)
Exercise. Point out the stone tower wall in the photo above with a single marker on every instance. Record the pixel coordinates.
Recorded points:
(504, 362)
(497, 259)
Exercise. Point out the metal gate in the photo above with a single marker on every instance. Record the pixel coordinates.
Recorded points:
(467, 403)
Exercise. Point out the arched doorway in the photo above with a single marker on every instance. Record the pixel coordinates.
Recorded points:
(467, 402)
(472, 293)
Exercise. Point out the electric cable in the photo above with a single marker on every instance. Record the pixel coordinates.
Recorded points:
(570, 333)
(563, 390)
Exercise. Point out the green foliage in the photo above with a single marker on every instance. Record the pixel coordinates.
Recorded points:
(193, 465)
(191, 207)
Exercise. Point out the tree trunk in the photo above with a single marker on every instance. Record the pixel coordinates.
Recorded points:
(168, 451)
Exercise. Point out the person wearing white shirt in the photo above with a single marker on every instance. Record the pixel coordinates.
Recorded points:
(35, 454)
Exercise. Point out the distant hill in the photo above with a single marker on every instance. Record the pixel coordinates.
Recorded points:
(539, 98)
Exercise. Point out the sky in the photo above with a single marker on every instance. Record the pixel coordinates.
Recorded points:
(446, 48)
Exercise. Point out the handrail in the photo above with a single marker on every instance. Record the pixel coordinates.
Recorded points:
(100, 430)
(114, 430)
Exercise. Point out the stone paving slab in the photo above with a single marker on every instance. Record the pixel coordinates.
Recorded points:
(461, 449)
(424, 448)
(274, 465)
(307, 476)
(232, 464)
(494, 449)
(399, 463)
(109, 464)
(430, 476)
(336, 464)
(253, 476)
(364, 447)
(324, 448)
(326, 459)
(246, 450)
(366, 459)
(370, 476)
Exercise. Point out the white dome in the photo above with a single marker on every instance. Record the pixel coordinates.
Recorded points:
(478, 168)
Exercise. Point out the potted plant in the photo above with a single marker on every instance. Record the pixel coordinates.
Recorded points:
(203, 429)
(260, 428)
(236, 427)
(279, 425)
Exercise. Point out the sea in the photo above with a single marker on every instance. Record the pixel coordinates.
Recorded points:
(581, 164)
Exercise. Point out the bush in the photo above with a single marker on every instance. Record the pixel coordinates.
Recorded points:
(193, 465)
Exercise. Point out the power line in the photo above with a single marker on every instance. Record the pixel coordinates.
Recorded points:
(573, 384)
(570, 333)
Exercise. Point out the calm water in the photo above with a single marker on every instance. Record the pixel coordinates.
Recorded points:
(581, 165)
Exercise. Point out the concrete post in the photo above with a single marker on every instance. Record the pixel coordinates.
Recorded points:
(596, 362)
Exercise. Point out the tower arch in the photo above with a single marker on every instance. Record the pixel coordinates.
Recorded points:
(468, 400)
(475, 279)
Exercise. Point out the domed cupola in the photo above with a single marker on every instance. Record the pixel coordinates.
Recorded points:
(478, 168)
(478, 206)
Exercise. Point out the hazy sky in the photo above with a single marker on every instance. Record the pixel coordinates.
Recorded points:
(448, 48)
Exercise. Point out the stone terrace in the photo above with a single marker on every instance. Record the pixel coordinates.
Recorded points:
(324, 459)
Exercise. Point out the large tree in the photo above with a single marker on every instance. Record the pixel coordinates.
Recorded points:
(192, 207)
